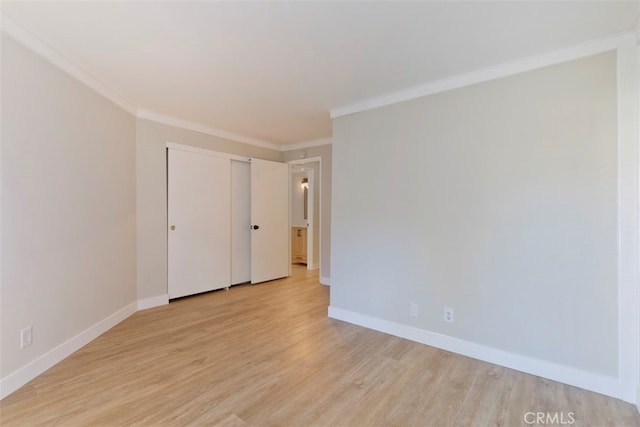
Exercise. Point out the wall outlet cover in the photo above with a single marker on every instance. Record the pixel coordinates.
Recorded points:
(26, 336)
(448, 314)
(414, 309)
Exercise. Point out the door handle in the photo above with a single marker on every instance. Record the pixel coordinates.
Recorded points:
(255, 227)
(173, 227)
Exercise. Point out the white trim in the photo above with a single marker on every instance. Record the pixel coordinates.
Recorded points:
(325, 281)
(313, 266)
(152, 302)
(31, 42)
(483, 75)
(197, 127)
(565, 374)
(2, 387)
(307, 144)
(637, 305)
(206, 152)
(628, 152)
(305, 160)
(311, 218)
(23, 375)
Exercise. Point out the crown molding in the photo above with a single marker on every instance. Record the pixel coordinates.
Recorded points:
(502, 70)
(24, 37)
(33, 43)
(307, 144)
(197, 127)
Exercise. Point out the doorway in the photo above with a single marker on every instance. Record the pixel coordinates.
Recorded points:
(305, 212)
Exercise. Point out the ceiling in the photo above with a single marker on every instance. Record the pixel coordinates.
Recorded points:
(271, 71)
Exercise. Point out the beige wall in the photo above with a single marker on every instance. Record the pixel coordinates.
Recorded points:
(324, 152)
(498, 200)
(151, 171)
(68, 208)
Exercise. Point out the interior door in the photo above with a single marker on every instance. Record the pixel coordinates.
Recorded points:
(270, 220)
(199, 214)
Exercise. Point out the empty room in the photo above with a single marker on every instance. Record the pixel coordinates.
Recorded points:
(331, 213)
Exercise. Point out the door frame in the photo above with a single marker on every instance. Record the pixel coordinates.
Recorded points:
(315, 185)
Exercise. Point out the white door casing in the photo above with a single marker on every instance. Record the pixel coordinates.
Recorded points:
(311, 219)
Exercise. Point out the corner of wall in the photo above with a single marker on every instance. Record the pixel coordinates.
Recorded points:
(628, 64)
(31, 370)
(152, 302)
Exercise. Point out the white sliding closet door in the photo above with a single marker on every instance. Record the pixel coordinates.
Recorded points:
(199, 214)
(240, 222)
(270, 238)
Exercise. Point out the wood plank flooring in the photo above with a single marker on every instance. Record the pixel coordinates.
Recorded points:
(267, 355)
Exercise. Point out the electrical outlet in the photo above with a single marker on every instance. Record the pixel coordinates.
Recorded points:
(413, 309)
(448, 314)
(26, 336)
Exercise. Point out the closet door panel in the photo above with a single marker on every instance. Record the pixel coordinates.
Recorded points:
(240, 222)
(199, 214)
(270, 239)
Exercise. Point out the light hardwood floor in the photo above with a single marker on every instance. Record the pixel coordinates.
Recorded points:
(268, 355)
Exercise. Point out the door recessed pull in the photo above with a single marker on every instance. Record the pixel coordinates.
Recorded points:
(173, 227)
(255, 227)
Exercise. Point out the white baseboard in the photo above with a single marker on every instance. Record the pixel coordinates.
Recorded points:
(23, 375)
(609, 386)
(156, 301)
(638, 399)
(313, 266)
(325, 281)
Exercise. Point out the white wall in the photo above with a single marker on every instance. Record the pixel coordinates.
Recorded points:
(498, 200)
(151, 171)
(68, 208)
